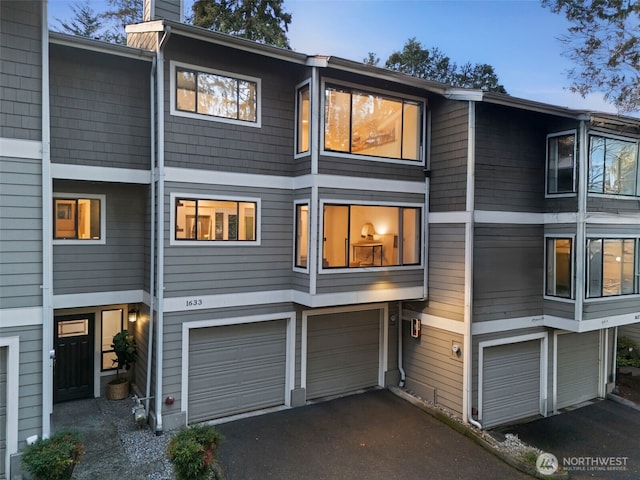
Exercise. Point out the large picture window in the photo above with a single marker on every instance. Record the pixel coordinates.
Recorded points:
(77, 218)
(559, 267)
(561, 154)
(216, 94)
(370, 236)
(215, 220)
(303, 135)
(613, 166)
(371, 124)
(612, 267)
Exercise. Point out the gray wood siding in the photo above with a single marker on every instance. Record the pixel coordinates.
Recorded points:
(610, 307)
(611, 231)
(510, 159)
(212, 145)
(355, 167)
(168, 9)
(99, 109)
(613, 205)
(117, 265)
(30, 380)
(21, 234)
(446, 271)
(368, 280)
(448, 163)
(3, 409)
(507, 271)
(578, 368)
(431, 368)
(218, 269)
(559, 309)
(21, 70)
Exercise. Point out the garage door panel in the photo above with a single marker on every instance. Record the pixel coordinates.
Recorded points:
(236, 368)
(578, 369)
(511, 382)
(342, 352)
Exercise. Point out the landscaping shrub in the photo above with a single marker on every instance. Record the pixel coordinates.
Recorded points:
(193, 452)
(628, 353)
(53, 458)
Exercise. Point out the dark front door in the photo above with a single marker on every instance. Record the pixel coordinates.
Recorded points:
(73, 367)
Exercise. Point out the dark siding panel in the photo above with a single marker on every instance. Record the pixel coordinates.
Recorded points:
(508, 271)
(449, 137)
(354, 167)
(118, 265)
(621, 305)
(21, 67)
(613, 205)
(21, 238)
(559, 309)
(99, 109)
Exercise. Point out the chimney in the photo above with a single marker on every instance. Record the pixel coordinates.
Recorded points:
(168, 9)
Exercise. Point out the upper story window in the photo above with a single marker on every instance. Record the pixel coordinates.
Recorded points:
(215, 220)
(371, 236)
(215, 95)
(612, 267)
(372, 124)
(302, 235)
(559, 267)
(303, 119)
(561, 164)
(78, 218)
(613, 166)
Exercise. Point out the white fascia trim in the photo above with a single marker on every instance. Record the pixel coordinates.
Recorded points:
(20, 317)
(626, 218)
(100, 174)
(290, 317)
(464, 94)
(210, 177)
(507, 324)
(206, 302)
(359, 297)
(77, 300)
(441, 323)
(450, 217)
(523, 218)
(14, 148)
(360, 183)
(383, 341)
(491, 216)
(12, 400)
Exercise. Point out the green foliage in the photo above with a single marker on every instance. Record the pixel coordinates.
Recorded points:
(628, 353)
(53, 458)
(604, 45)
(193, 452)
(126, 350)
(84, 23)
(433, 64)
(529, 457)
(121, 14)
(263, 21)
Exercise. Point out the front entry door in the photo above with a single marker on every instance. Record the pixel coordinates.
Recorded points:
(73, 367)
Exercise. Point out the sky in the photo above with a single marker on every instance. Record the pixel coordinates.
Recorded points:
(519, 38)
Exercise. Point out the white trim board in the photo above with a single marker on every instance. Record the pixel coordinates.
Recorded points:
(20, 317)
(12, 400)
(79, 300)
(100, 174)
(16, 148)
(531, 218)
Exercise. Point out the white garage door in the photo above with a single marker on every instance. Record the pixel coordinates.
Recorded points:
(343, 351)
(511, 382)
(578, 368)
(3, 410)
(236, 368)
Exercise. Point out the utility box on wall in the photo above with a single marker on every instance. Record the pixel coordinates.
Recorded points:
(415, 327)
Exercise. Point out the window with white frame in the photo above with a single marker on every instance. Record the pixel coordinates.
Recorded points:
(215, 94)
(215, 220)
(110, 325)
(613, 166)
(561, 164)
(303, 112)
(612, 267)
(359, 122)
(371, 236)
(302, 235)
(559, 267)
(78, 217)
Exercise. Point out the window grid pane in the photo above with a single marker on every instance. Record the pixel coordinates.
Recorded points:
(561, 164)
(559, 267)
(302, 236)
(215, 220)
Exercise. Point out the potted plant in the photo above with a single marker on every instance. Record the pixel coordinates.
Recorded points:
(53, 458)
(126, 351)
(193, 453)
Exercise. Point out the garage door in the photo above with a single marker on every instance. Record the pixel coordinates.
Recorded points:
(511, 382)
(3, 410)
(236, 368)
(578, 368)
(342, 352)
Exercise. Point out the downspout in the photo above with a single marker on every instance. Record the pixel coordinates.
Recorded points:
(581, 226)
(47, 236)
(614, 355)
(467, 381)
(152, 265)
(403, 375)
(160, 227)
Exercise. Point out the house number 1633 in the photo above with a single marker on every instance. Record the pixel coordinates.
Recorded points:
(194, 302)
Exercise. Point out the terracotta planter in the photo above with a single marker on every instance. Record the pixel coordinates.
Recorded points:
(118, 391)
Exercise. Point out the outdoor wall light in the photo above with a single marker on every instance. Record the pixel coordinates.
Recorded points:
(133, 315)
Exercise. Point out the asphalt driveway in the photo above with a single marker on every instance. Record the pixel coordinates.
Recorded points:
(601, 440)
(373, 436)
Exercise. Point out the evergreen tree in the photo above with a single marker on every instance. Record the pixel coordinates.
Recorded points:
(85, 22)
